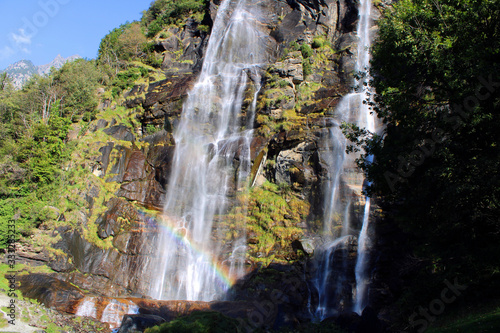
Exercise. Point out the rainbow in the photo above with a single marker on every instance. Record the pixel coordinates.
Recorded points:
(183, 239)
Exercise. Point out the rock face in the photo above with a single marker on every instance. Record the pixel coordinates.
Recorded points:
(119, 269)
(51, 292)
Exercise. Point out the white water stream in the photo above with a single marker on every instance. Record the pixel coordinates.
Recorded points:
(332, 282)
(212, 159)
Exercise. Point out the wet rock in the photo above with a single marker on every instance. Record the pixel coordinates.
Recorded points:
(292, 166)
(162, 137)
(118, 270)
(121, 157)
(130, 164)
(170, 310)
(164, 99)
(136, 167)
(325, 100)
(348, 15)
(347, 44)
(160, 157)
(60, 263)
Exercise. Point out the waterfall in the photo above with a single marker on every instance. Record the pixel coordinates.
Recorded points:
(106, 310)
(333, 281)
(212, 160)
(367, 120)
(362, 276)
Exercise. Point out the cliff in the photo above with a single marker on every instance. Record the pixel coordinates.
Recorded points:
(121, 168)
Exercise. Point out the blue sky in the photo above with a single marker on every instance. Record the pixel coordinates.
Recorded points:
(39, 30)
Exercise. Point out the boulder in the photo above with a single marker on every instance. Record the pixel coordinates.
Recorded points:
(105, 157)
(138, 323)
(120, 132)
(51, 292)
(293, 167)
(100, 124)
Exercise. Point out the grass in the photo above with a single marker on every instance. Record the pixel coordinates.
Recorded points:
(483, 321)
(198, 322)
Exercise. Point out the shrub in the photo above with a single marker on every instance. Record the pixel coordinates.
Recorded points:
(198, 322)
(318, 42)
(306, 51)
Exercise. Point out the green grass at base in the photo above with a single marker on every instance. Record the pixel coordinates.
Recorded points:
(486, 322)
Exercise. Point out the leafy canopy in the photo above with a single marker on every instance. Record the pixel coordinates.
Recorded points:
(435, 71)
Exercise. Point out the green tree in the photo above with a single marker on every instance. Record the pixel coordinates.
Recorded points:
(78, 81)
(109, 54)
(435, 72)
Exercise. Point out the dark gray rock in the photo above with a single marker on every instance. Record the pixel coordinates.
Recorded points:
(138, 323)
(100, 124)
(104, 158)
(51, 292)
(120, 132)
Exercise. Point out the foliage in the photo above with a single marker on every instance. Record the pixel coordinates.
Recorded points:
(318, 42)
(306, 68)
(198, 322)
(25, 212)
(306, 51)
(435, 71)
(35, 123)
(165, 12)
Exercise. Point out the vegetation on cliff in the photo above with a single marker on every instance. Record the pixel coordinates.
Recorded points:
(35, 123)
(435, 170)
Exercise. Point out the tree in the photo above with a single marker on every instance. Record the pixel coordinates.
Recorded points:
(435, 72)
(110, 47)
(78, 81)
(5, 82)
(132, 42)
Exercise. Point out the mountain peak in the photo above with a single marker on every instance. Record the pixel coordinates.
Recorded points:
(23, 70)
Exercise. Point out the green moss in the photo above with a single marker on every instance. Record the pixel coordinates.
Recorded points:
(322, 56)
(269, 214)
(305, 93)
(294, 46)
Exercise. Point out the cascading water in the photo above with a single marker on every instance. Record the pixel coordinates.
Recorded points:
(366, 120)
(333, 280)
(212, 160)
